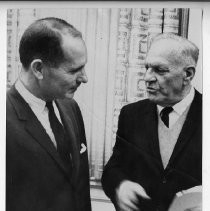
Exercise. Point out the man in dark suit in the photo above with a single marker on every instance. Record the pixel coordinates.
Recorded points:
(158, 149)
(46, 156)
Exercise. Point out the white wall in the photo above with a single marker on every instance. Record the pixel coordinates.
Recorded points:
(195, 35)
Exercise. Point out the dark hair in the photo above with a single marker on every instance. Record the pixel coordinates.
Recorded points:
(43, 39)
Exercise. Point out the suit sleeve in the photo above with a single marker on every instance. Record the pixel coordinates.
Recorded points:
(114, 173)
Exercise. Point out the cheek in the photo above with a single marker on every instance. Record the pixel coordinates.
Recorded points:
(174, 85)
(177, 82)
(164, 82)
(66, 81)
(69, 81)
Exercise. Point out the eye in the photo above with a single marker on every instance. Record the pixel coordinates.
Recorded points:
(76, 70)
(160, 71)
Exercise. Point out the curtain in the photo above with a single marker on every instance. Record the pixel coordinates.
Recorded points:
(117, 41)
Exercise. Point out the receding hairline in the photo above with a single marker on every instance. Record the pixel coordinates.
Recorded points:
(52, 27)
(58, 25)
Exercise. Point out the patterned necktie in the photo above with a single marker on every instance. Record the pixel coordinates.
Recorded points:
(59, 134)
(164, 114)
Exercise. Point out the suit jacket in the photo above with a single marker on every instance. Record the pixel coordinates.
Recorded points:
(136, 155)
(36, 177)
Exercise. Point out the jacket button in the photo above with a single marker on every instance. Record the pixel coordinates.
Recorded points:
(164, 180)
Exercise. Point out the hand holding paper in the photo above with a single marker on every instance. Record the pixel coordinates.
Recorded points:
(188, 200)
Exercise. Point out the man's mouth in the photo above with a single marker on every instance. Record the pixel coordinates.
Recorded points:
(151, 89)
(73, 89)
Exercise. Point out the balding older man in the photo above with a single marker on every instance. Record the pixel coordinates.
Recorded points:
(158, 150)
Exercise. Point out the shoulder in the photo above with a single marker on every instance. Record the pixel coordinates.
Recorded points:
(10, 94)
(198, 96)
(197, 101)
(12, 101)
(139, 106)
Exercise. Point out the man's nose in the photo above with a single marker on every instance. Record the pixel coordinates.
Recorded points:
(149, 75)
(83, 76)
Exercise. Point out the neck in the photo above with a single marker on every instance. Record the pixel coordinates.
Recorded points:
(30, 84)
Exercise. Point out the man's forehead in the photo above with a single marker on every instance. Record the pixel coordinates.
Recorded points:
(155, 61)
(73, 42)
(165, 45)
(74, 48)
(164, 49)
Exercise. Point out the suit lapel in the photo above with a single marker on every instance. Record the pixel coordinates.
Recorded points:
(151, 130)
(38, 133)
(34, 127)
(192, 119)
(70, 124)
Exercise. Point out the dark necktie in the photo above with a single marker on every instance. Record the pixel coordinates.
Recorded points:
(164, 114)
(59, 134)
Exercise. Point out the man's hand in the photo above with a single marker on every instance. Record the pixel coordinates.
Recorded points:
(128, 194)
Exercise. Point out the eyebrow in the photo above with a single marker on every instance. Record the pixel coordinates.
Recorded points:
(78, 68)
(155, 65)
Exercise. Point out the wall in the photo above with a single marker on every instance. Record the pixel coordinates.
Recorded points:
(195, 35)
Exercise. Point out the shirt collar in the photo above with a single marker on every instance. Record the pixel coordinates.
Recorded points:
(181, 106)
(32, 100)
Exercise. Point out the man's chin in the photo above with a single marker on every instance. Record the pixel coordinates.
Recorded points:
(153, 98)
(69, 95)
(159, 101)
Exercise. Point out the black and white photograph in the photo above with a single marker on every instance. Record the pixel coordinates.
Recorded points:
(104, 108)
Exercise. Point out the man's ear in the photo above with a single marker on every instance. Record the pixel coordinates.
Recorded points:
(189, 73)
(37, 68)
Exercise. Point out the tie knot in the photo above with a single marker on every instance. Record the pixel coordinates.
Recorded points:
(49, 105)
(166, 111)
(164, 114)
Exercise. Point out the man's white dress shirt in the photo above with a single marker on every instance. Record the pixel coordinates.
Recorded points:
(179, 108)
(38, 106)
